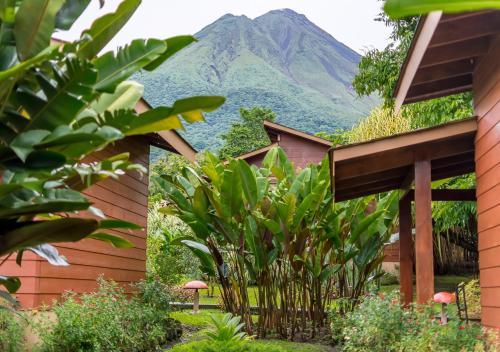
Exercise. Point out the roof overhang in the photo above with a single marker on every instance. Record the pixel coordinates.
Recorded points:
(444, 53)
(273, 128)
(386, 164)
(257, 152)
(169, 140)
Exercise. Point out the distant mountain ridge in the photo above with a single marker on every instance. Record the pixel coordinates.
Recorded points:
(279, 60)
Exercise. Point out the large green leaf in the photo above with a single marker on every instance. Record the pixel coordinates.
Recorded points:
(25, 202)
(69, 13)
(114, 240)
(231, 193)
(115, 68)
(403, 8)
(53, 231)
(248, 182)
(106, 27)
(125, 96)
(14, 72)
(118, 224)
(35, 20)
(191, 109)
(65, 96)
(364, 225)
(174, 44)
(11, 283)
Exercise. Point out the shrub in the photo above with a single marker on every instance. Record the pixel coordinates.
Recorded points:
(376, 324)
(155, 294)
(379, 324)
(104, 321)
(11, 331)
(228, 346)
(389, 279)
(473, 298)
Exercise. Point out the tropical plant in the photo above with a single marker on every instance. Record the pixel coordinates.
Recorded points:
(403, 8)
(279, 228)
(165, 261)
(58, 104)
(225, 328)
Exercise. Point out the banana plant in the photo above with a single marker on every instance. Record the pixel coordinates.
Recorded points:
(60, 103)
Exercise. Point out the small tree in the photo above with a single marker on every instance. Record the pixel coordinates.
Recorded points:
(247, 135)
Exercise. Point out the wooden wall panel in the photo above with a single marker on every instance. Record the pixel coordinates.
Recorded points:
(126, 199)
(487, 107)
(302, 152)
(391, 252)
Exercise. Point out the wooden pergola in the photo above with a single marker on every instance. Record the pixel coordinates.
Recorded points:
(409, 162)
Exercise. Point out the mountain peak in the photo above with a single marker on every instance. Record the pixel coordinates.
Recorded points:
(289, 13)
(280, 60)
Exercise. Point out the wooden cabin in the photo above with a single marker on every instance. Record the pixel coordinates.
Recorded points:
(302, 148)
(450, 53)
(125, 199)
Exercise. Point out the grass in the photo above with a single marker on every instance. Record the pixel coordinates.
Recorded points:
(441, 283)
(205, 299)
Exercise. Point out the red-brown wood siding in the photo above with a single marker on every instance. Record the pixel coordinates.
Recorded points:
(302, 152)
(487, 107)
(125, 199)
(391, 252)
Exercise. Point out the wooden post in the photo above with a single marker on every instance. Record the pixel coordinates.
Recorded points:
(405, 251)
(424, 257)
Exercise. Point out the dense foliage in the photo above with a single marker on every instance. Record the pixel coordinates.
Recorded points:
(379, 71)
(280, 60)
(380, 324)
(108, 320)
(11, 331)
(166, 260)
(381, 122)
(58, 104)
(279, 228)
(247, 135)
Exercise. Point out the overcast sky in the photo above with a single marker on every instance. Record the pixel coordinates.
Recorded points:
(349, 21)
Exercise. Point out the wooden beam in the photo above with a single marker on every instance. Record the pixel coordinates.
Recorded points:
(405, 252)
(424, 257)
(444, 71)
(454, 129)
(445, 195)
(481, 25)
(422, 91)
(449, 195)
(424, 35)
(466, 49)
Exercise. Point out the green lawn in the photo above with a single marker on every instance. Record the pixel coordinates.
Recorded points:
(441, 283)
(205, 299)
